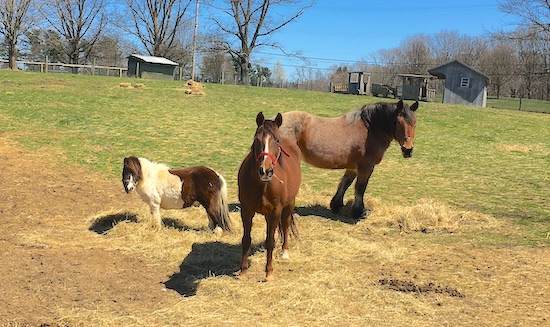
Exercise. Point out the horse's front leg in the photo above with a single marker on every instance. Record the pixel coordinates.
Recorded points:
(363, 175)
(272, 221)
(337, 201)
(246, 217)
(155, 213)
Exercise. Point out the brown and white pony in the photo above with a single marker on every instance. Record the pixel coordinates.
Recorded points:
(162, 187)
(269, 179)
(355, 141)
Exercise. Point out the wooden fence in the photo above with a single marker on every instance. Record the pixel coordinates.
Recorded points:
(56, 67)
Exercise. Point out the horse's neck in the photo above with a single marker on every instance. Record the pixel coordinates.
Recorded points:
(150, 170)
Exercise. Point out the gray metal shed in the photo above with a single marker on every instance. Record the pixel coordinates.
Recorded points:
(463, 84)
(151, 67)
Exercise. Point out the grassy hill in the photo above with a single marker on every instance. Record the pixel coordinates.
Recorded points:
(457, 234)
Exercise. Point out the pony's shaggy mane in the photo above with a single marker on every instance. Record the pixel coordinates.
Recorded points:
(132, 165)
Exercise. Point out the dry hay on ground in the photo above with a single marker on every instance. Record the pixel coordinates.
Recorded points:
(83, 254)
(130, 86)
(194, 88)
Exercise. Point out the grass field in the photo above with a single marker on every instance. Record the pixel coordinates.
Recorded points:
(479, 178)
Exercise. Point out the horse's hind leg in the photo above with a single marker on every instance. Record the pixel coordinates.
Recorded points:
(213, 218)
(286, 221)
(272, 223)
(337, 201)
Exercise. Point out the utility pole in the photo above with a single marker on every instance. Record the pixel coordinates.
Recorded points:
(195, 39)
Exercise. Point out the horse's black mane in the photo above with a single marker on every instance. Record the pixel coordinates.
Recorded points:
(381, 116)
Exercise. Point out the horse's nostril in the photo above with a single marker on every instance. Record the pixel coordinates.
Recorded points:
(261, 171)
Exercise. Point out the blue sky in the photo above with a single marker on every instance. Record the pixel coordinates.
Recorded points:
(345, 31)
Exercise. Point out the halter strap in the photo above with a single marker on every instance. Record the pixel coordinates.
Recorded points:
(270, 156)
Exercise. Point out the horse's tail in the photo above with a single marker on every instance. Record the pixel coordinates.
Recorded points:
(293, 227)
(223, 205)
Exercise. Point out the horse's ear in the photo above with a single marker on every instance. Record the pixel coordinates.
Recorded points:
(400, 106)
(279, 119)
(260, 118)
(414, 106)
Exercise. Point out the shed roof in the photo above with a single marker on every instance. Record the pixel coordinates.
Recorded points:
(438, 70)
(154, 60)
(415, 75)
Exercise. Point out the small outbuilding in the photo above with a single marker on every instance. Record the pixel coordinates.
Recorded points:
(463, 84)
(151, 67)
(416, 87)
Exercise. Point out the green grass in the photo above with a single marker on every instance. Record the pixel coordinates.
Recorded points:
(514, 104)
(480, 159)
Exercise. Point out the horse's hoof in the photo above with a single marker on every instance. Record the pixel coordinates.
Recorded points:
(218, 231)
(285, 255)
(241, 275)
(268, 277)
(359, 213)
(336, 205)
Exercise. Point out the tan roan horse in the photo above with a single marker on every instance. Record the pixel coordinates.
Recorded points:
(269, 180)
(355, 142)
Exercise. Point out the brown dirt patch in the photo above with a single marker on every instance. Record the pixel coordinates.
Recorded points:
(46, 266)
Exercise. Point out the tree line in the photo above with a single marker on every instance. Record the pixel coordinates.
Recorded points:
(107, 31)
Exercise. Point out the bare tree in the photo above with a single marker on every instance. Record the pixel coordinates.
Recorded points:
(250, 24)
(500, 63)
(414, 54)
(13, 23)
(532, 13)
(80, 22)
(158, 25)
(279, 74)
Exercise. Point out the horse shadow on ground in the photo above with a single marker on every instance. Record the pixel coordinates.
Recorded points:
(205, 260)
(104, 224)
(343, 216)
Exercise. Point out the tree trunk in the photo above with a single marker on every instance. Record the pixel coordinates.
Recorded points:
(13, 56)
(245, 71)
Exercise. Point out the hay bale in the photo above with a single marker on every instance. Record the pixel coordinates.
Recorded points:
(194, 88)
(125, 85)
(139, 86)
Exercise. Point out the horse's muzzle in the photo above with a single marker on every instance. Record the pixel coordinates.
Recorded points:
(129, 186)
(407, 153)
(265, 175)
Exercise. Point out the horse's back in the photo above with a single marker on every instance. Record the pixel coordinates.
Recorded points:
(326, 142)
(200, 183)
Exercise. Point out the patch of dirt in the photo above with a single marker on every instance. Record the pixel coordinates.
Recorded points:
(45, 266)
(411, 287)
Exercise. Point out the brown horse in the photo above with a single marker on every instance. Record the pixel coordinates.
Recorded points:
(355, 142)
(269, 179)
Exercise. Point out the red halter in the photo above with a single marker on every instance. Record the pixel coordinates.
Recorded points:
(270, 156)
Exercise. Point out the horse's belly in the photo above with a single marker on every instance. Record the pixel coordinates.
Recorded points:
(171, 203)
(328, 161)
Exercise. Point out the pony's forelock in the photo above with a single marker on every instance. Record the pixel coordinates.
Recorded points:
(132, 165)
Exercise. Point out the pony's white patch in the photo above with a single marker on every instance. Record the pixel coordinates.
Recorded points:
(196, 203)
(158, 188)
(130, 186)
